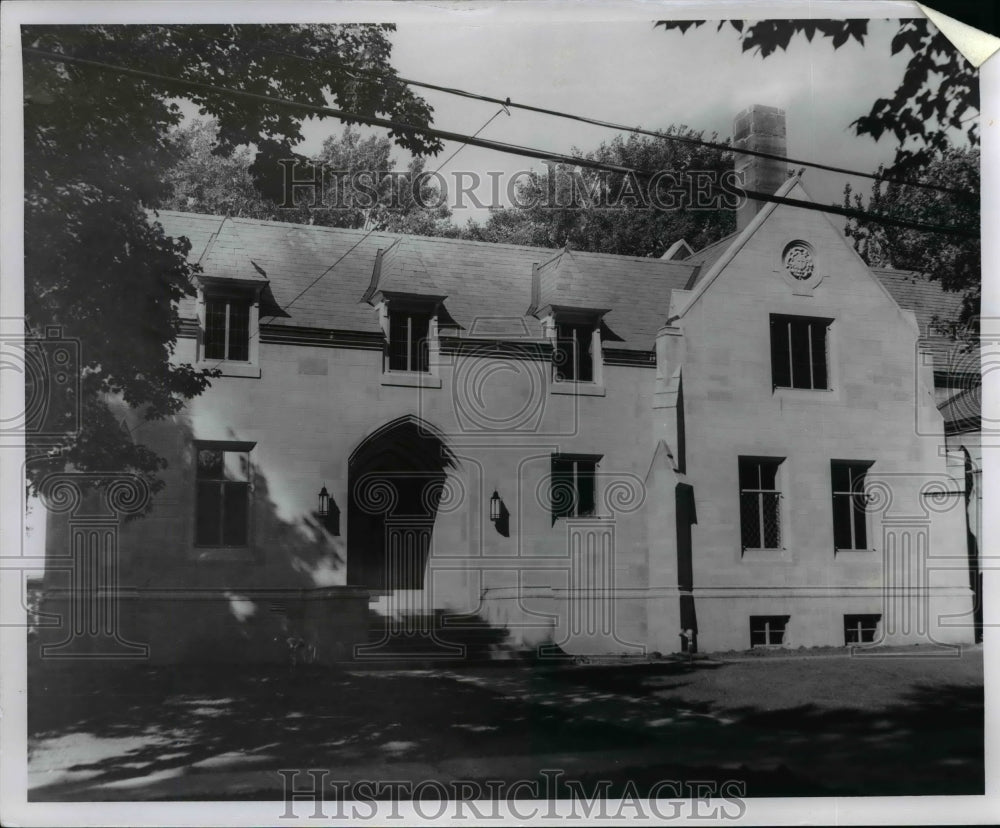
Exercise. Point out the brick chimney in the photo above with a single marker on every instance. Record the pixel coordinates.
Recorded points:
(760, 128)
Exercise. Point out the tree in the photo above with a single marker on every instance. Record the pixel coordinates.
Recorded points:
(361, 186)
(936, 98)
(96, 144)
(619, 213)
(953, 261)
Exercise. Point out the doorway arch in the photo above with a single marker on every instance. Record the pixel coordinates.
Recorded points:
(396, 476)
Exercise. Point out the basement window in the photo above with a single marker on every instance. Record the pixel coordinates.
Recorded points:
(861, 629)
(768, 630)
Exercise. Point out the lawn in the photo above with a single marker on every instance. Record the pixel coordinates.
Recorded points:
(815, 724)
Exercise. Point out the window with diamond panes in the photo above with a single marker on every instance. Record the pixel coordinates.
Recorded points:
(760, 503)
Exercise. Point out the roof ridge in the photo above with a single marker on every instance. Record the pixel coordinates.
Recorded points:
(388, 234)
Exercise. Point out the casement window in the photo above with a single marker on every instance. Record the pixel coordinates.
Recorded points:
(799, 352)
(227, 328)
(222, 502)
(409, 348)
(760, 503)
(573, 355)
(768, 630)
(861, 629)
(573, 487)
(850, 518)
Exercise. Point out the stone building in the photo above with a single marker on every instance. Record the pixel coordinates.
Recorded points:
(589, 453)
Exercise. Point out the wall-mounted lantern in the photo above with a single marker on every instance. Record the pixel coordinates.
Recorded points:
(328, 512)
(499, 515)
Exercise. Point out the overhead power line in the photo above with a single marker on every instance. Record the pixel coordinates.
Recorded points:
(498, 146)
(681, 139)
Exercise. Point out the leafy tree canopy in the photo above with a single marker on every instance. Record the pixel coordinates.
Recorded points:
(953, 261)
(935, 106)
(937, 98)
(615, 213)
(359, 185)
(96, 144)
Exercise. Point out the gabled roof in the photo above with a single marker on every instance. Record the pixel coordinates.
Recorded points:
(223, 256)
(401, 269)
(710, 253)
(927, 299)
(320, 276)
(911, 291)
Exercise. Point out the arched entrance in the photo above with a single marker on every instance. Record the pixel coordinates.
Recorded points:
(395, 480)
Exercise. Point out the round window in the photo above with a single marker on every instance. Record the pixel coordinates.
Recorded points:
(798, 260)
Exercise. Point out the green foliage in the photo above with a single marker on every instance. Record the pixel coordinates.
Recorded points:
(96, 144)
(936, 98)
(615, 213)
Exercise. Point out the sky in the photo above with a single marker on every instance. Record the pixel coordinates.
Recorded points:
(631, 73)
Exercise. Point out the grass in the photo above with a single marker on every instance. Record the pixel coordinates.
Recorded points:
(888, 725)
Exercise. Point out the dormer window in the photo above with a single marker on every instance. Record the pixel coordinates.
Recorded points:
(410, 326)
(577, 364)
(229, 316)
(573, 354)
(409, 340)
(227, 329)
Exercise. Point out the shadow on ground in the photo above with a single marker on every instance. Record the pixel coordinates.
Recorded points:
(123, 731)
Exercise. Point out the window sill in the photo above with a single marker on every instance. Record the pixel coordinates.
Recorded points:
(782, 555)
(857, 552)
(231, 369)
(578, 389)
(222, 554)
(411, 379)
(799, 392)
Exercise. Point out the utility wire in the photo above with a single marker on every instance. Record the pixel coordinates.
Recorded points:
(315, 281)
(511, 149)
(508, 103)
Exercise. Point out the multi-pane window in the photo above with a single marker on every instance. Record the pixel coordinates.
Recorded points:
(861, 629)
(768, 630)
(573, 355)
(573, 486)
(222, 508)
(849, 500)
(408, 345)
(227, 328)
(799, 352)
(760, 503)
